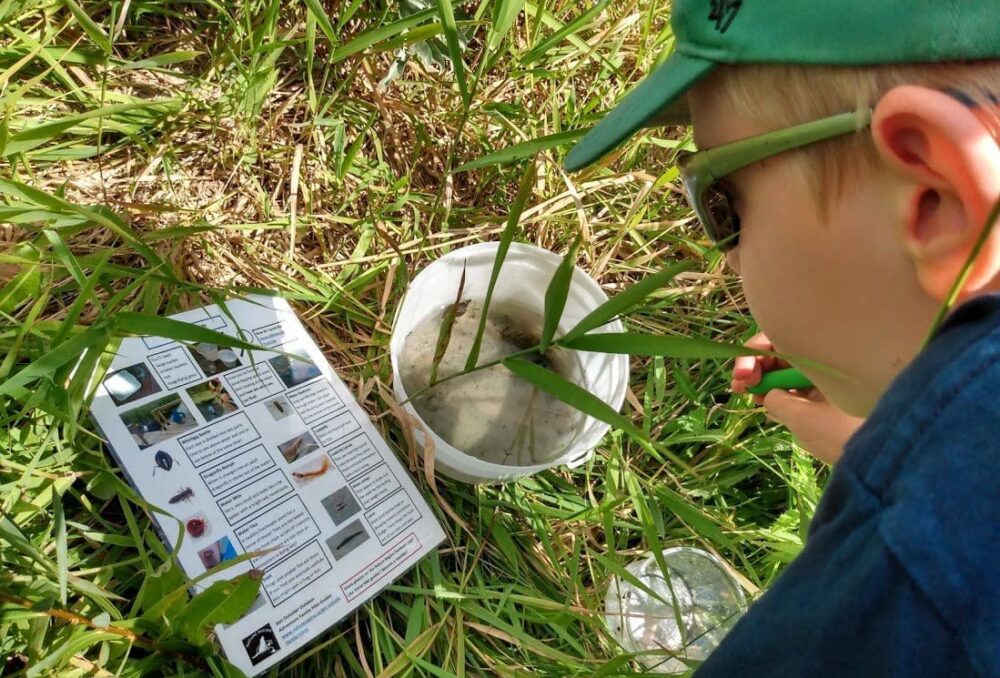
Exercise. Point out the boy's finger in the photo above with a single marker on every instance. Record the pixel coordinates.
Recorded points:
(760, 342)
(787, 409)
(745, 369)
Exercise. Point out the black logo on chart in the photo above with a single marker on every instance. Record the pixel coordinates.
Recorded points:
(723, 12)
(261, 644)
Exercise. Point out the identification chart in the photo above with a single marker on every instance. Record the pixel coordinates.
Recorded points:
(264, 451)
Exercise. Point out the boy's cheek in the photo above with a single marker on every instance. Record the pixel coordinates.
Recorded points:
(789, 286)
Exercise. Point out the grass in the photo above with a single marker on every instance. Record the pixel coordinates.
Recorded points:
(160, 155)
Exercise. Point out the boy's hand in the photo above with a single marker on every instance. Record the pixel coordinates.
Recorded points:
(820, 428)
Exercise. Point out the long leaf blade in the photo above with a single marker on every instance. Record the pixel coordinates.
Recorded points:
(523, 150)
(447, 13)
(27, 283)
(963, 275)
(156, 326)
(447, 325)
(503, 19)
(625, 301)
(700, 523)
(571, 394)
(652, 345)
(315, 9)
(89, 26)
(574, 26)
(158, 61)
(102, 217)
(66, 257)
(224, 602)
(376, 35)
(556, 295)
(683, 348)
(72, 349)
(513, 219)
(62, 559)
(36, 135)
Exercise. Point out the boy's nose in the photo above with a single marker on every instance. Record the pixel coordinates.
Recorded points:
(733, 257)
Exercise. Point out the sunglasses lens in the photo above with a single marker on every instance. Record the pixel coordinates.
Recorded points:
(713, 205)
(721, 221)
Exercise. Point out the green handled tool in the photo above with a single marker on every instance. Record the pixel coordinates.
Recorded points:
(784, 380)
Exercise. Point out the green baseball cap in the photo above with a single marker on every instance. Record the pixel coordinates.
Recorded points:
(825, 32)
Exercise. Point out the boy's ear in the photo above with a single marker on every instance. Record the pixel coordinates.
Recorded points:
(950, 166)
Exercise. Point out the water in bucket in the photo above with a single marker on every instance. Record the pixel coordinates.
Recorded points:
(492, 414)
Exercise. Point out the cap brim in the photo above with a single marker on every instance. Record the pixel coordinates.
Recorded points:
(656, 100)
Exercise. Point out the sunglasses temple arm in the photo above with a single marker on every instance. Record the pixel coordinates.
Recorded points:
(732, 157)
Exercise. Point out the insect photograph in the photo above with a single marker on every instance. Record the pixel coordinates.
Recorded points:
(298, 447)
(340, 505)
(347, 539)
(197, 525)
(162, 460)
(311, 471)
(183, 494)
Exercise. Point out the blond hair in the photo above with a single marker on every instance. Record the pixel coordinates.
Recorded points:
(775, 96)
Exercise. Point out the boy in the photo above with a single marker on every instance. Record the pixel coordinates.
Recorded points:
(866, 169)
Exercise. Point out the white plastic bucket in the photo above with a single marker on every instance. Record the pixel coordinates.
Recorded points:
(524, 278)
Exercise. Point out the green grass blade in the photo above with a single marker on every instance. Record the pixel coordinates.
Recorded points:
(348, 13)
(159, 61)
(89, 26)
(412, 36)
(690, 514)
(66, 257)
(4, 133)
(963, 276)
(19, 541)
(523, 150)
(45, 366)
(513, 219)
(542, 15)
(574, 26)
(626, 301)
(376, 35)
(27, 284)
(625, 576)
(681, 348)
(556, 295)
(36, 135)
(224, 602)
(96, 215)
(447, 14)
(505, 14)
(573, 395)
(317, 12)
(62, 560)
(652, 345)
(447, 325)
(168, 328)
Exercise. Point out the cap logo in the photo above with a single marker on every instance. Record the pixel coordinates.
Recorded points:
(723, 13)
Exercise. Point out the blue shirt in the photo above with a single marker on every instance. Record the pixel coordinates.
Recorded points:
(900, 575)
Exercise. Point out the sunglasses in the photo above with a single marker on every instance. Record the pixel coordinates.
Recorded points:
(703, 171)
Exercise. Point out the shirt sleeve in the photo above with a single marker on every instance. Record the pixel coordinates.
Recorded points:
(845, 607)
